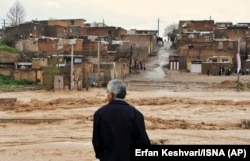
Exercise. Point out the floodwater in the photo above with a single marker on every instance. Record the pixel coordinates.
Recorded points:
(154, 66)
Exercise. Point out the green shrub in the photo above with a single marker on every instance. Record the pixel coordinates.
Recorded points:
(6, 80)
(4, 47)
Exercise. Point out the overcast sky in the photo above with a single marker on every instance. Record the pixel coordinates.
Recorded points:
(134, 14)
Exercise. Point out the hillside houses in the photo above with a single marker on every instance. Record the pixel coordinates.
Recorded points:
(205, 45)
(78, 50)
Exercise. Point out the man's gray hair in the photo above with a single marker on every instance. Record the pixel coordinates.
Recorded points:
(118, 88)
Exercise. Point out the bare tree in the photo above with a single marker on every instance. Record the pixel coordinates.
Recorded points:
(16, 13)
(171, 31)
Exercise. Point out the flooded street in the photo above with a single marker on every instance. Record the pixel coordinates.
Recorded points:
(154, 66)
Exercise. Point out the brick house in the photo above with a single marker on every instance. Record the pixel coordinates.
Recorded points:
(195, 44)
(142, 44)
(201, 40)
(49, 28)
(238, 34)
(95, 47)
(246, 65)
(91, 47)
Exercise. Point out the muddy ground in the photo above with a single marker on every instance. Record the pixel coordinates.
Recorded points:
(45, 125)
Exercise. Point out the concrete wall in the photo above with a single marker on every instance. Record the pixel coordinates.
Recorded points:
(6, 71)
(141, 41)
(38, 63)
(61, 32)
(215, 67)
(27, 45)
(83, 31)
(66, 23)
(246, 67)
(51, 31)
(231, 32)
(25, 74)
(6, 57)
(49, 46)
(191, 25)
(74, 31)
(39, 77)
(183, 62)
(121, 70)
(91, 49)
(111, 32)
(25, 30)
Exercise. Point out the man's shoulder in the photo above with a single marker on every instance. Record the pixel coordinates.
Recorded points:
(114, 104)
(102, 108)
(137, 112)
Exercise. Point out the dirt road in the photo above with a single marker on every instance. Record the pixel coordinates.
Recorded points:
(179, 108)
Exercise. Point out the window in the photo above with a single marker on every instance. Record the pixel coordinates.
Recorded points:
(60, 60)
(214, 60)
(223, 25)
(78, 60)
(220, 45)
(224, 60)
(230, 45)
(109, 32)
(184, 25)
(207, 38)
(191, 36)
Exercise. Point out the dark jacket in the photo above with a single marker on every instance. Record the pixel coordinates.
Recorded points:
(117, 125)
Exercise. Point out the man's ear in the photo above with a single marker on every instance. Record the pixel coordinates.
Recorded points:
(112, 94)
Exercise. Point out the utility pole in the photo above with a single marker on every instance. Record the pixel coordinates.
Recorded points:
(98, 63)
(238, 57)
(3, 24)
(72, 42)
(158, 27)
(4, 27)
(130, 58)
